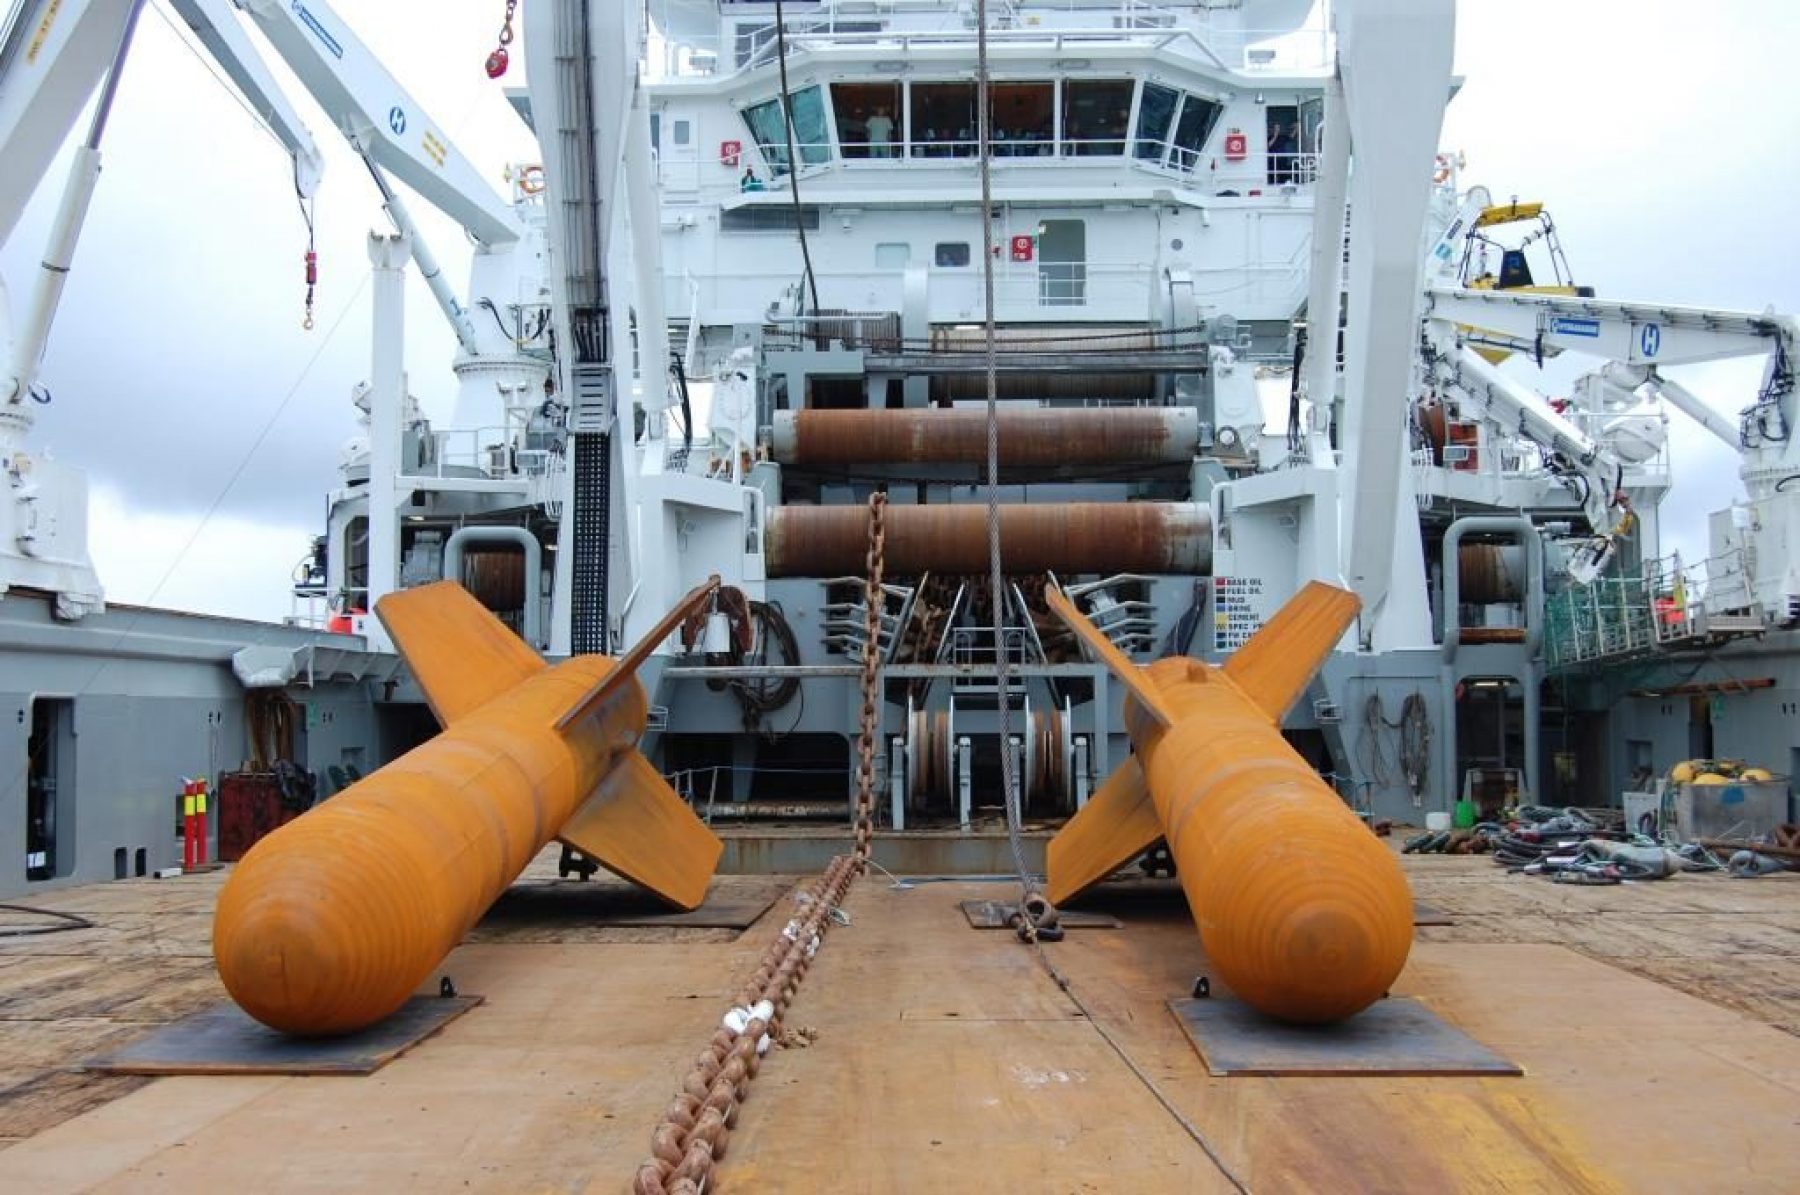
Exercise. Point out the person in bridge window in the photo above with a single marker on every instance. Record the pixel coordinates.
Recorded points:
(881, 133)
(750, 182)
(1281, 154)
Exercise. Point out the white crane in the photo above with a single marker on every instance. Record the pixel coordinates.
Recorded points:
(55, 55)
(1635, 341)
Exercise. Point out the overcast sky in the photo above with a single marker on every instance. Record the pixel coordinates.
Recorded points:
(1662, 135)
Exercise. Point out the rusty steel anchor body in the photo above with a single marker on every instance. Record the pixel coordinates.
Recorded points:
(1304, 914)
(331, 922)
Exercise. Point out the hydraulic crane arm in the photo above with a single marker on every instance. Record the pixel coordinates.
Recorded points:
(223, 37)
(1473, 379)
(1635, 333)
(385, 124)
(53, 57)
(1639, 339)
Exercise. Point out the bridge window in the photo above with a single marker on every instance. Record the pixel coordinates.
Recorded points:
(870, 119)
(811, 136)
(1198, 117)
(951, 253)
(1155, 116)
(943, 120)
(1022, 123)
(1096, 113)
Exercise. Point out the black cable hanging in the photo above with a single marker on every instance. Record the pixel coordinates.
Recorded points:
(793, 159)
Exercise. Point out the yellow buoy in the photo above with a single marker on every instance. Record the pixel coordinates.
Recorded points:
(1683, 772)
(1710, 779)
(1757, 775)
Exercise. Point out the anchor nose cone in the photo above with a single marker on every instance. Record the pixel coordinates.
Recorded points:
(1322, 948)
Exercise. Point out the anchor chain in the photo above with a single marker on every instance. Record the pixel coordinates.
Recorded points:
(871, 680)
(695, 1128)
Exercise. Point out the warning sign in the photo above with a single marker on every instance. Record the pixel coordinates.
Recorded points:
(1237, 611)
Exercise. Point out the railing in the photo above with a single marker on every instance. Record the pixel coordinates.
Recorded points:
(1062, 284)
(1251, 172)
(1668, 605)
(973, 647)
(1109, 289)
(489, 450)
(1213, 36)
(1609, 619)
(315, 608)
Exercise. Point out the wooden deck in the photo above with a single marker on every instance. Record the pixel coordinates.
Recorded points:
(1657, 1025)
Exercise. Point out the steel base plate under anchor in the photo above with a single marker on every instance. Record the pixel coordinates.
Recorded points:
(1391, 1037)
(224, 1040)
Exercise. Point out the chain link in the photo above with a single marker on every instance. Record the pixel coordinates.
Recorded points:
(871, 680)
(692, 1135)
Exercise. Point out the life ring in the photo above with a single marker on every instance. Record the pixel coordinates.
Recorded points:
(1442, 173)
(531, 180)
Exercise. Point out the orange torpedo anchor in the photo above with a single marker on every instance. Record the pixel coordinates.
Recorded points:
(1304, 914)
(331, 922)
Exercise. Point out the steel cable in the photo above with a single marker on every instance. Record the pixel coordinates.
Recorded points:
(63, 923)
(1009, 780)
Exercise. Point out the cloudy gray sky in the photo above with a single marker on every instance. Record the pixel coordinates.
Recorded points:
(1662, 134)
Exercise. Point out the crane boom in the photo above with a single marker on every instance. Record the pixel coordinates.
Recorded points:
(53, 57)
(379, 118)
(224, 39)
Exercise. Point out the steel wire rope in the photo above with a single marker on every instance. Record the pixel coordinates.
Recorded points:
(1011, 797)
(997, 605)
(64, 921)
(206, 61)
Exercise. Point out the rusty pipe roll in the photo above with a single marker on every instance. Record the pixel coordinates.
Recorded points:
(1491, 572)
(1038, 437)
(1070, 538)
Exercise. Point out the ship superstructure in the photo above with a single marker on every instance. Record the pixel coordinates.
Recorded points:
(709, 539)
(1233, 353)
